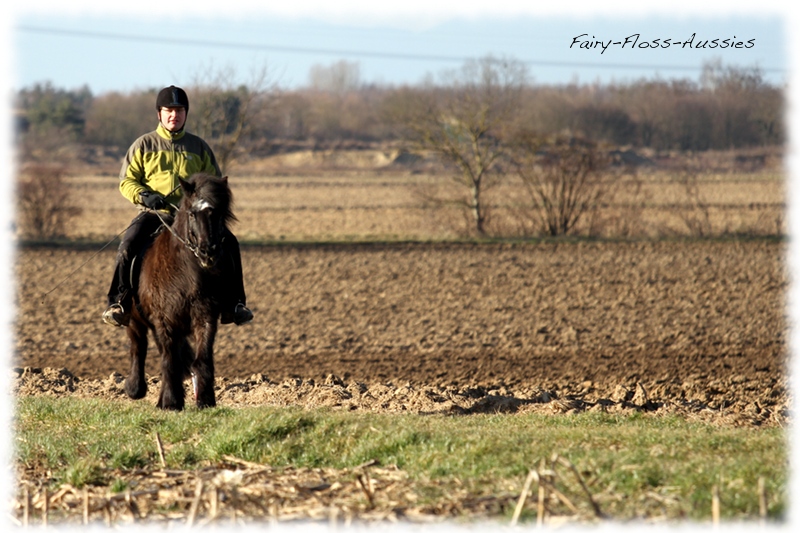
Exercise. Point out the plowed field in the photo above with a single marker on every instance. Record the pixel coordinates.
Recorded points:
(695, 327)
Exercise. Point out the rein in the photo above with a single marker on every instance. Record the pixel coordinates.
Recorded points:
(68, 276)
(192, 248)
(183, 241)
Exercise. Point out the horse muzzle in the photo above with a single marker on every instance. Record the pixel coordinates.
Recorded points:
(207, 257)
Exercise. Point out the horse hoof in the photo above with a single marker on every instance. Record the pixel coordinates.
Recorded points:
(170, 404)
(206, 404)
(137, 390)
(169, 407)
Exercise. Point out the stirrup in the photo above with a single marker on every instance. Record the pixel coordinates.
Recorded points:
(115, 315)
(240, 315)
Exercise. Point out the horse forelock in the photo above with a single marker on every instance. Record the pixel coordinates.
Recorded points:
(211, 192)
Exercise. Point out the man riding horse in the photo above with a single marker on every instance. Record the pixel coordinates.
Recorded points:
(150, 179)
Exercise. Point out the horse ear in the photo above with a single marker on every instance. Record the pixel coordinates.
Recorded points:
(225, 179)
(187, 186)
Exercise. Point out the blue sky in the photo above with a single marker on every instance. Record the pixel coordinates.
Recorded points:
(158, 43)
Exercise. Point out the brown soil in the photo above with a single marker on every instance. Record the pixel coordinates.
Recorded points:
(695, 328)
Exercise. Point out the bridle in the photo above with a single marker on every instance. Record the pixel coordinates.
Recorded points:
(189, 245)
(183, 241)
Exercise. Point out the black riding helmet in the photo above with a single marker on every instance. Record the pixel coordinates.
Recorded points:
(172, 97)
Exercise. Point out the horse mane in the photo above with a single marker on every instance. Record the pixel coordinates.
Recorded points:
(212, 189)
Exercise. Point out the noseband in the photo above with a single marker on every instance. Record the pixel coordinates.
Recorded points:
(189, 245)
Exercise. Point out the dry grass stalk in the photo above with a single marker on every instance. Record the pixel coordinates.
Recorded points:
(333, 518)
(365, 481)
(540, 508)
(248, 464)
(214, 511)
(26, 510)
(324, 495)
(107, 513)
(234, 496)
(597, 511)
(762, 500)
(160, 446)
(563, 498)
(138, 494)
(45, 506)
(198, 493)
(133, 509)
(367, 489)
(85, 506)
(715, 505)
(523, 496)
(546, 480)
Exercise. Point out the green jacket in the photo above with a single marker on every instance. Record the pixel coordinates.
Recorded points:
(156, 160)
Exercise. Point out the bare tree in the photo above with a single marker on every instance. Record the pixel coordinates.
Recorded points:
(338, 78)
(466, 121)
(224, 113)
(564, 177)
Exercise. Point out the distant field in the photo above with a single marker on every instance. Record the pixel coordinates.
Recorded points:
(379, 205)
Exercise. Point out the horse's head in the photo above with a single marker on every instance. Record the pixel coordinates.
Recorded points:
(205, 212)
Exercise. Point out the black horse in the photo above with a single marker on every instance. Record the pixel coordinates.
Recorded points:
(179, 293)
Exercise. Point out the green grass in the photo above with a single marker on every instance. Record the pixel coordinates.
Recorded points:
(626, 460)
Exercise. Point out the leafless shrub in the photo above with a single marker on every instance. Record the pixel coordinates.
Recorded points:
(696, 214)
(44, 203)
(620, 215)
(564, 177)
(704, 215)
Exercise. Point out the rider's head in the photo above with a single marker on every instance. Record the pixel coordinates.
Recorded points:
(172, 105)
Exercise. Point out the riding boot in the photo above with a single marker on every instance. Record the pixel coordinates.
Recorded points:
(118, 311)
(123, 284)
(234, 300)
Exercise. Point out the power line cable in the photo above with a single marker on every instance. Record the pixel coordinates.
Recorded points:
(352, 53)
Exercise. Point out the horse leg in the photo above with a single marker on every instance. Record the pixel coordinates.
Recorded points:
(203, 365)
(172, 396)
(135, 384)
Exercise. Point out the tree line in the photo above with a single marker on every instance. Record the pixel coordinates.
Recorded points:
(726, 107)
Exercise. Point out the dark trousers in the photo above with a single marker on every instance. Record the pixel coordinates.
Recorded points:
(140, 235)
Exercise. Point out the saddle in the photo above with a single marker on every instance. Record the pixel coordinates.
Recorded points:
(138, 257)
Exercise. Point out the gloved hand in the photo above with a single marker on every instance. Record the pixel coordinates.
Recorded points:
(152, 200)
